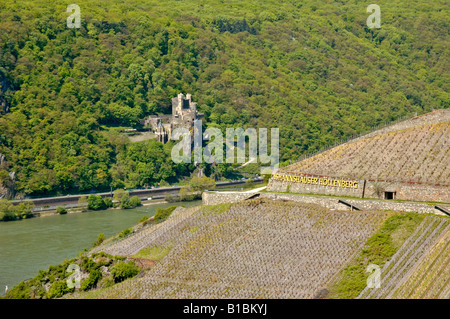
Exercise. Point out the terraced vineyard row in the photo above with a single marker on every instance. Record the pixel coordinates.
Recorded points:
(417, 154)
(437, 116)
(257, 249)
(414, 269)
(132, 244)
(430, 279)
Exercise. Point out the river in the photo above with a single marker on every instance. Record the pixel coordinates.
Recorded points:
(26, 246)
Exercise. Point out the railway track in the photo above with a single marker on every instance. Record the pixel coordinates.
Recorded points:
(155, 193)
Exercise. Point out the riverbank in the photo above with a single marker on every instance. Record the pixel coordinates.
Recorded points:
(78, 210)
(30, 245)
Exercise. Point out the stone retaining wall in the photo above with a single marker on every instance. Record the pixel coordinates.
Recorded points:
(404, 191)
(214, 198)
(210, 198)
(282, 186)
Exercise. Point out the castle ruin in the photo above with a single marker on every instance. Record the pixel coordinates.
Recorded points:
(184, 113)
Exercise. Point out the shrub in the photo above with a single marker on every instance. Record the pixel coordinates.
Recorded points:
(143, 219)
(7, 216)
(171, 199)
(108, 202)
(21, 291)
(125, 232)
(87, 264)
(100, 239)
(59, 289)
(123, 270)
(91, 281)
(162, 213)
(61, 210)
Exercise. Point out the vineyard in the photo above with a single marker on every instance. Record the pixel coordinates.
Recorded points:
(143, 238)
(254, 249)
(437, 116)
(413, 154)
(419, 269)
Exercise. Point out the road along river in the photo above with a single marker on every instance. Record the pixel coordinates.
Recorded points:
(28, 245)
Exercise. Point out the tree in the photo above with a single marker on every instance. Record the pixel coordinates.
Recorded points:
(118, 194)
(24, 210)
(7, 210)
(134, 201)
(95, 202)
(125, 200)
(200, 184)
(108, 202)
(184, 193)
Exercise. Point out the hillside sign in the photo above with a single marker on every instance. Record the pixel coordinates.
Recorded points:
(315, 180)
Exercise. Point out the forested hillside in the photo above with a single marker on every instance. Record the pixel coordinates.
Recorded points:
(312, 69)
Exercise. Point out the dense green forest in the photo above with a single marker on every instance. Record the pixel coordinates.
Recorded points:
(311, 68)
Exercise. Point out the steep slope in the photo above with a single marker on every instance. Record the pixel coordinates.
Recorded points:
(411, 151)
(419, 269)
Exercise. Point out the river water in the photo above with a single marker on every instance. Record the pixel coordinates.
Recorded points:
(26, 246)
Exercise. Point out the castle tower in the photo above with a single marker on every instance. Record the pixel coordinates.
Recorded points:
(183, 109)
(177, 105)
